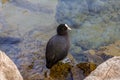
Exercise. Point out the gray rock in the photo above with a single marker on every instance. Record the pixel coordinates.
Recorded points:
(8, 70)
(109, 70)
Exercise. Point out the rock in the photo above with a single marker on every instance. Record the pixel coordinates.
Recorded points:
(77, 73)
(92, 52)
(66, 71)
(87, 68)
(60, 71)
(104, 56)
(32, 66)
(99, 55)
(10, 46)
(81, 57)
(93, 57)
(110, 49)
(8, 70)
(4, 1)
(86, 56)
(73, 61)
(109, 70)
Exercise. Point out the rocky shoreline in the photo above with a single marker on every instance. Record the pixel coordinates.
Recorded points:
(26, 26)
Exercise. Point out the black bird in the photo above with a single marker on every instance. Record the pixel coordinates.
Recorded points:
(58, 46)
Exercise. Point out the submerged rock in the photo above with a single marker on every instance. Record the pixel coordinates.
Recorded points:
(8, 70)
(77, 73)
(112, 49)
(4, 1)
(9, 40)
(109, 70)
(95, 22)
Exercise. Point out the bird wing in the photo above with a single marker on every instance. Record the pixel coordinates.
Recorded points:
(56, 49)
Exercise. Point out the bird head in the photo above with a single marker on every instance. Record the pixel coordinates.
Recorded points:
(62, 29)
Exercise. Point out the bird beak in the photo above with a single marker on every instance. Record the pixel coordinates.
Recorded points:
(68, 27)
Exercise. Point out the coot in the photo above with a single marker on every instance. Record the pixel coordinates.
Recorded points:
(58, 46)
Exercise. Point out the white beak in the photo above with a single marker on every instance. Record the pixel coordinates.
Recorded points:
(68, 27)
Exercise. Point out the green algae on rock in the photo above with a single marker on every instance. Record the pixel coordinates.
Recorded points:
(63, 71)
(60, 71)
(87, 67)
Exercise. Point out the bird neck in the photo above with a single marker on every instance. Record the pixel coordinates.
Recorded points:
(62, 33)
(66, 36)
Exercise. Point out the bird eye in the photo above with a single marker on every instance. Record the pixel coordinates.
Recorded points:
(64, 28)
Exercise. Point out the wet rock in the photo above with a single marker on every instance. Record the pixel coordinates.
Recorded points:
(66, 71)
(8, 70)
(77, 73)
(60, 71)
(94, 57)
(109, 70)
(104, 56)
(32, 66)
(87, 67)
(86, 56)
(99, 55)
(10, 46)
(73, 61)
(110, 49)
(81, 57)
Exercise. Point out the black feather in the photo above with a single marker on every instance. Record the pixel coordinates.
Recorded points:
(57, 47)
